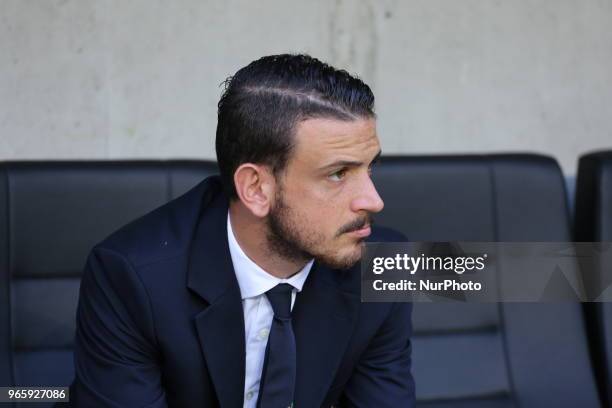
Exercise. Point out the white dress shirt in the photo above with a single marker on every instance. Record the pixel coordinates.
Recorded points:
(254, 282)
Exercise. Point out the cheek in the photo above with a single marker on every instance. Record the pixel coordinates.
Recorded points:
(318, 210)
(320, 219)
(331, 220)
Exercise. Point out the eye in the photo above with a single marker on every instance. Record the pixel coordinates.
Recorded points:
(371, 166)
(337, 175)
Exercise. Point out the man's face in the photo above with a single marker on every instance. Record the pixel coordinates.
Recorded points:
(325, 196)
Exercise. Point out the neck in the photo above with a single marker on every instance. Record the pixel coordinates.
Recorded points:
(250, 232)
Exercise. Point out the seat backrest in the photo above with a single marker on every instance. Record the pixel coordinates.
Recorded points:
(492, 354)
(527, 354)
(51, 215)
(593, 222)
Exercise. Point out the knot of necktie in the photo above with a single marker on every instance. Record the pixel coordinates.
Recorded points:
(280, 300)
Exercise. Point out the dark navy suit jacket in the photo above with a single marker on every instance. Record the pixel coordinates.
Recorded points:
(160, 322)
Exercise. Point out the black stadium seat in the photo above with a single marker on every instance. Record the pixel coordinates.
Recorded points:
(489, 355)
(593, 222)
(51, 214)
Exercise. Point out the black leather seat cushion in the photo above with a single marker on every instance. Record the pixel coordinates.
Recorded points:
(493, 355)
(593, 222)
(51, 214)
(488, 354)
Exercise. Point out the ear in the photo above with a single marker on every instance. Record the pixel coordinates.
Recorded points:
(255, 186)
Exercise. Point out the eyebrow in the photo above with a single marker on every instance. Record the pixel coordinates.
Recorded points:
(351, 163)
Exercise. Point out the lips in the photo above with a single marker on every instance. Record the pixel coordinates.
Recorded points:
(363, 232)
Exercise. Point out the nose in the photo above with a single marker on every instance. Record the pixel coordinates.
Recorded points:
(367, 198)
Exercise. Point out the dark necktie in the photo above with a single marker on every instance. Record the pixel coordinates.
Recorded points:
(277, 383)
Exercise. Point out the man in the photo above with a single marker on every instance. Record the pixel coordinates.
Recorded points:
(245, 290)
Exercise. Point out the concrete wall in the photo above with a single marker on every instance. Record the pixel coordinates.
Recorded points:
(140, 79)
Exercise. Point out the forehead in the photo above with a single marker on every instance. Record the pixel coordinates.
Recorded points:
(321, 140)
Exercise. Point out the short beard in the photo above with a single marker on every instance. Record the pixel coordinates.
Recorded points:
(285, 239)
(283, 236)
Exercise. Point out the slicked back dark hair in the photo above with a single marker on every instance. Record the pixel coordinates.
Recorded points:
(263, 102)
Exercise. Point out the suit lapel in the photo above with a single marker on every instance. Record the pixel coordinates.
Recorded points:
(324, 317)
(221, 332)
(220, 327)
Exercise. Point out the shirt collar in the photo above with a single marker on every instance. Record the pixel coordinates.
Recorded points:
(252, 279)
